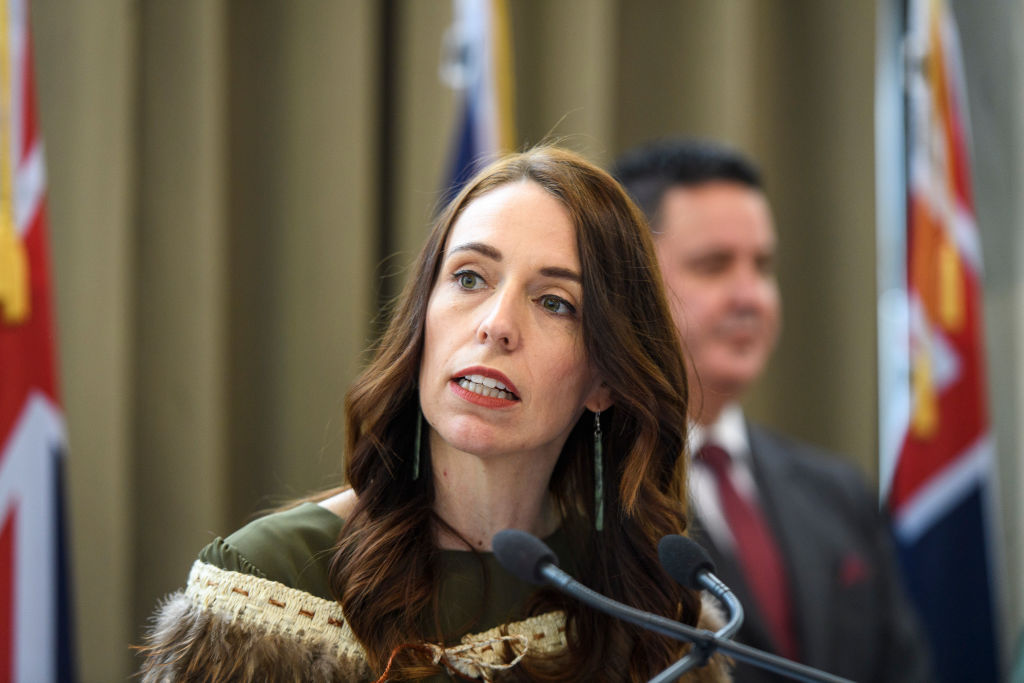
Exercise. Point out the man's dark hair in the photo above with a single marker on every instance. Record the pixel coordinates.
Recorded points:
(648, 171)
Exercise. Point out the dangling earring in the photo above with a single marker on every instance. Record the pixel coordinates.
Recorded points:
(598, 474)
(416, 446)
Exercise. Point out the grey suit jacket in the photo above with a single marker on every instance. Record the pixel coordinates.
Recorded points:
(851, 614)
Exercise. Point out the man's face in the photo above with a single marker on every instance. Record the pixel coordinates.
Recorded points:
(716, 248)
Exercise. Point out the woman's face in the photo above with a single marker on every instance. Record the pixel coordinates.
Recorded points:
(504, 368)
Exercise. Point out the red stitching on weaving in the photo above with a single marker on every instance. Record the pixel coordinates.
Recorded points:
(275, 603)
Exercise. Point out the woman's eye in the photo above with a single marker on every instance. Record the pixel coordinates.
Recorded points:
(467, 279)
(557, 305)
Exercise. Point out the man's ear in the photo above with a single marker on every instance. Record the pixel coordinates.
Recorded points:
(599, 399)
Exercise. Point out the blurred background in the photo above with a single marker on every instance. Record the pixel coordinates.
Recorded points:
(235, 187)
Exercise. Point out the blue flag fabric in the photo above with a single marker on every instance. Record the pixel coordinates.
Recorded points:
(477, 65)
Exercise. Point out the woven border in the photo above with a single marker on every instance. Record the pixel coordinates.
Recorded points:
(252, 601)
(272, 606)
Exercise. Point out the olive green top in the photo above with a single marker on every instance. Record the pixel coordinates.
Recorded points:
(295, 547)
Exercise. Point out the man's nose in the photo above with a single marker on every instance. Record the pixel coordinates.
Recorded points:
(750, 286)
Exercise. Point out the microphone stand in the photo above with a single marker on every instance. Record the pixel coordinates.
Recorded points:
(703, 650)
(707, 642)
(703, 640)
(526, 557)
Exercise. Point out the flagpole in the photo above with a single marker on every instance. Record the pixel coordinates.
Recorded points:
(891, 221)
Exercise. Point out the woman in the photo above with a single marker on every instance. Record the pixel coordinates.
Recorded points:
(530, 378)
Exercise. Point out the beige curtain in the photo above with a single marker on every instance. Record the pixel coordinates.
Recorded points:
(231, 181)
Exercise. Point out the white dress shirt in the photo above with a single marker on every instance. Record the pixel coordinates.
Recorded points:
(729, 431)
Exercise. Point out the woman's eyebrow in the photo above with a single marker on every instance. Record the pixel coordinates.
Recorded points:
(563, 273)
(495, 255)
(479, 247)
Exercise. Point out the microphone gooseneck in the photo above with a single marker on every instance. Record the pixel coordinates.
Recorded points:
(529, 559)
(688, 563)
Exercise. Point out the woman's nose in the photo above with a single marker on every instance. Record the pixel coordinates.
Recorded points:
(500, 324)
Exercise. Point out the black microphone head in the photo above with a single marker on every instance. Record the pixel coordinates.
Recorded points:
(684, 559)
(522, 554)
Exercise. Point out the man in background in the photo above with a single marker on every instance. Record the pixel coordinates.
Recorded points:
(794, 531)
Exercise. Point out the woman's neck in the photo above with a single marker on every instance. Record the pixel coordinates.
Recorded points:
(479, 497)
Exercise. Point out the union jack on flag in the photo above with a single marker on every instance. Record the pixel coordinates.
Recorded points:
(34, 624)
(938, 458)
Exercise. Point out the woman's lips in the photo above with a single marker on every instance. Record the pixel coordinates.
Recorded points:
(486, 386)
(489, 378)
(473, 392)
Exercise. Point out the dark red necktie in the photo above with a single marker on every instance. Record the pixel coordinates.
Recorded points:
(756, 550)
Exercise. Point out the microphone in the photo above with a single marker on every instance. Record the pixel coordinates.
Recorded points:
(688, 563)
(527, 558)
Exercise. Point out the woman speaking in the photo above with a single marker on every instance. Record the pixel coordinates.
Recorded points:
(530, 378)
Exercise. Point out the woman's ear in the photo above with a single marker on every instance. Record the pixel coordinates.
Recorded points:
(599, 399)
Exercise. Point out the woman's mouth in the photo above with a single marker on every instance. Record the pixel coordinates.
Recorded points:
(486, 386)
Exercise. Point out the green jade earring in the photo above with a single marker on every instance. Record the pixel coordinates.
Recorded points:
(598, 474)
(416, 446)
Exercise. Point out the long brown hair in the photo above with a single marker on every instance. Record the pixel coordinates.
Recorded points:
(384, 571)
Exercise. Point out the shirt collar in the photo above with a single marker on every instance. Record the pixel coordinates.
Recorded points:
(729, 431)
